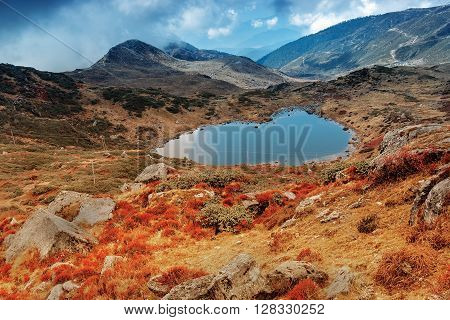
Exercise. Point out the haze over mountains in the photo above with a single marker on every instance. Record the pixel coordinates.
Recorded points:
(136, 63)
(411, 37)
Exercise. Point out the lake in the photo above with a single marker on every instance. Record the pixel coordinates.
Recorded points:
(292, 137)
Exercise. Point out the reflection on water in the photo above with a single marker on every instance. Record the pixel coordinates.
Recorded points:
(291, 137)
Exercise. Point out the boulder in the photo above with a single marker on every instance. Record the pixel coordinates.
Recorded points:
(330, 217)
(307, 202)
(196, 289)
(289, 223)
(65, 199)
(154, 172)
(436, 201)
(250, 203)
(95, 210)
(109, 262)
(289, 195)
(47, 232)
(286, 275)
(58, 290)
(240, 279)
(155, 286)
(341, 283)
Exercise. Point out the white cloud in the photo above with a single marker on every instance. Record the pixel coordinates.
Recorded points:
(192, 18)
(132, 6)
(367, 7)
(272, 22)
(316, 22)
(215, 32)
(257, 23)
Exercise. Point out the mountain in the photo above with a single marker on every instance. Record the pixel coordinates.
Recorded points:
(138, 64)
(185, 51)
(411, 37)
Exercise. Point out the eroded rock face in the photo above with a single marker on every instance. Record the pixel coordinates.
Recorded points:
(341, 283)
(65, 199)
(95, 210)
(196, 289)
(47, 232)
(154, 172)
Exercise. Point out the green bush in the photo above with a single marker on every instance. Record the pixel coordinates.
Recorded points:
(215, 178)
(224, 219)
(329, 175)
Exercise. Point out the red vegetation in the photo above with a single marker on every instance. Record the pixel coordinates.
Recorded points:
(443, 283)
(308, 255)
(304, 290)
(303, 189)
(179, 274)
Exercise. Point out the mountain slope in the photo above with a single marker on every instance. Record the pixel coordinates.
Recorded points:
(185, 51)
(411, 37)
(138, 64)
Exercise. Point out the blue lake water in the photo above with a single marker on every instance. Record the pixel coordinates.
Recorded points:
(292, 137)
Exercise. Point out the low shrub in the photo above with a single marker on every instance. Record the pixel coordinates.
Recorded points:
(305, 289)
(368, 224)
(179, 274)
(226, 219)
(401, 269)
(308, 255)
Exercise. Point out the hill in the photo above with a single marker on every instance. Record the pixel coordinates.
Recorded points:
(412, 37)
(135, 63)
(185, 51)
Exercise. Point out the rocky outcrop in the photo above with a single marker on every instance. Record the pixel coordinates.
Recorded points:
(47, 232)
(158, 171)
(95, 210)
(242, 279)
(341, 283)
(65, 199)
(433, 195)
(307, 203)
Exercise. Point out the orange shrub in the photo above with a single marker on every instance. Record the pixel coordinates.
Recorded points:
(443, 282)
(232, 187)
(179, 274)
(304, 290)
(303, 189)
(308, 255)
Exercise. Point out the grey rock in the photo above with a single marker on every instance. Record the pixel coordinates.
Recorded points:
(132, 187)
(95, 210)
(154, 172)
(436, 200)
(70, 286)
(155, 286)
(286, 275)
(330, 217)
(307, 203)
(341, 283)
(56, 292)
(47, 232)
(290, 195)
(288, 223)
(64, 199)
(249, 203)
(196, 289)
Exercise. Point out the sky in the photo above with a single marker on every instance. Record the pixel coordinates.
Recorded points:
(62, 35)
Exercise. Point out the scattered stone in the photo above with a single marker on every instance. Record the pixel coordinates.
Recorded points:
(47, 232)
(109, 262)
(341, 283)
(124, 154)
(95, 210)
(356, 205)
(288, 223)
(132, 187)
(290, 195)
(154, 172)
(107, 154)
(250, 203)
(323, 213)
(307, 202)
(330, 217)
(13, 221)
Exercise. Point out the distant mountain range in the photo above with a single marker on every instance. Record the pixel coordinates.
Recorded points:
(139, 64)
(411, 37)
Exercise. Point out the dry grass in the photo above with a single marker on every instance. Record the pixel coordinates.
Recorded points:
(404, 268)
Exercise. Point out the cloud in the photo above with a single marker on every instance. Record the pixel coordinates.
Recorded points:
(315, 22)
(272, 22)
(257, 23)
(224, 30)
